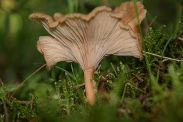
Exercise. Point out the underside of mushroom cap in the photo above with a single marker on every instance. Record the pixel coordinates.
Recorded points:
(86, 39)
(53, 51)
(133, 14)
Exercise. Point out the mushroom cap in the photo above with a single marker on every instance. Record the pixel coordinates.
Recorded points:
(86, 39)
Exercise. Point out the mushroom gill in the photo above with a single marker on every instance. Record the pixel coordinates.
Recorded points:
(86, 39)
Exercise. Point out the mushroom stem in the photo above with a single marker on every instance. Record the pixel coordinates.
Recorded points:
(89, 87)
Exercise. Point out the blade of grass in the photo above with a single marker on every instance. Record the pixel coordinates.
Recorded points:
(179, 11)
(159, 56)
(72, 5)
(68, 73)
(22, 83)
(115, 72)
(74, 75)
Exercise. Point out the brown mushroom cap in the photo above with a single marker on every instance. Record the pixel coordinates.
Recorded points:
(86, 39)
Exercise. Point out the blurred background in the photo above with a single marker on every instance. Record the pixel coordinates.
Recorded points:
(18, 35)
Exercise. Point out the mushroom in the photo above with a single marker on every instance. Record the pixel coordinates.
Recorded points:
(86, 39)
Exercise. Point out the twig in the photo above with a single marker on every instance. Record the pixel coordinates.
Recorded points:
(7, 92)
(4, 104)
(14, 99)
(142, 98)
(5, 111)
(26, 102)
(79, 85)
(164, 57)
(179, 38)
(152, 21)
(138, 77)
